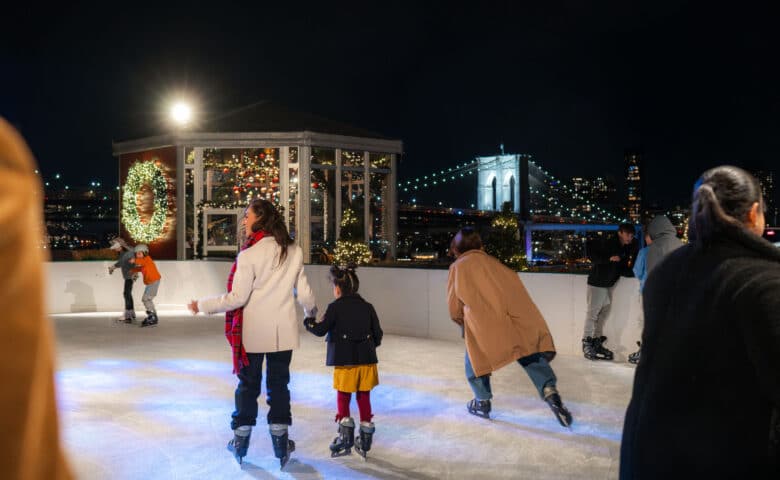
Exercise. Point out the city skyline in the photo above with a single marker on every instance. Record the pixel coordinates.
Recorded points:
(574, 86)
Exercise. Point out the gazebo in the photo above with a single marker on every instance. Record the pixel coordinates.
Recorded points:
(183, 192)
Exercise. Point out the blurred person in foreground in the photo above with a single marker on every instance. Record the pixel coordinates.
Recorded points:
(707, 391)
(29, 431)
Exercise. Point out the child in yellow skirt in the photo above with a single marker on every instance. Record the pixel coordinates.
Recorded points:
(353, 333)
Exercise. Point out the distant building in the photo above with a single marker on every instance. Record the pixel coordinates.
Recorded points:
(634, 185)
(591, 191)
(767, 180)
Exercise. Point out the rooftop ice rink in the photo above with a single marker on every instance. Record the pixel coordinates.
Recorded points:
(156, 402)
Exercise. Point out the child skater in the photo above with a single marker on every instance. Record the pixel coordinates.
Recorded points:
(148, 269)
(353, 333)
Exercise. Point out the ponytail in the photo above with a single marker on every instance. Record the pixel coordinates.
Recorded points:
(345, 278)
(722, 198)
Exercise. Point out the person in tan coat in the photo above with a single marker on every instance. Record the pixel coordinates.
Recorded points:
(501, 325)
(29, 432)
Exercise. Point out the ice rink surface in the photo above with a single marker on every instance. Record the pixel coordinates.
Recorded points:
(155, 403)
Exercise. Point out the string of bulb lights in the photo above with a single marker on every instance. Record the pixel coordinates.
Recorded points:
(428, 182)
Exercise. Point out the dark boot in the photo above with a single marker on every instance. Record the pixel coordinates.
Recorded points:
(634, 357)
(480, 408)
(363, 442)
(342, 444)
(150, 320)
(240, 443)
(602, 352)
(283, 446)
(588, 348)
(553, 399)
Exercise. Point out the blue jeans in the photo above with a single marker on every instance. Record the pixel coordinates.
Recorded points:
(536, 366)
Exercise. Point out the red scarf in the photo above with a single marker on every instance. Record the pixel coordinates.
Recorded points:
(234, 319)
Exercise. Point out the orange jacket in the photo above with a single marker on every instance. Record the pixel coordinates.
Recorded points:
(147, 267)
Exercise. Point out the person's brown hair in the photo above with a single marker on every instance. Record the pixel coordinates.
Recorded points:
(271, 221)
(469, 240)
(722, 198)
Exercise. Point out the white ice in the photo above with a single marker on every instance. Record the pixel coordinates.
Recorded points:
(155, 403)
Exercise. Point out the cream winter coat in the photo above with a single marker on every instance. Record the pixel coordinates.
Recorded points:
(266, 291)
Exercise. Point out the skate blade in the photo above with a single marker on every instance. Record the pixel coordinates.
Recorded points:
(340, 453)
(480, 414)
(283, 461)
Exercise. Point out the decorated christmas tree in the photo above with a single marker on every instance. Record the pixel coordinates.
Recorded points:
(504, 239)
(350, 248)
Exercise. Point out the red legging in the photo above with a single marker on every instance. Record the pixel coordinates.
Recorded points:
(363, 401)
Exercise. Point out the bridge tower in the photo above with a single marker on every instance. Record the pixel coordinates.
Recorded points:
(504, 178)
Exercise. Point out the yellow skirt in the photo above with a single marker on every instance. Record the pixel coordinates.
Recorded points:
(355, 378)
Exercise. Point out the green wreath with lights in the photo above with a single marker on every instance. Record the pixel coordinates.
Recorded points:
(140, 174)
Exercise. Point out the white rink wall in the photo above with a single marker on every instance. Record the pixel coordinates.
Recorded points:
(409, 301)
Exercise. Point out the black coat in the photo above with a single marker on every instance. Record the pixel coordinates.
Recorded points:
(709, 379)
(353, 331)
(605, 273)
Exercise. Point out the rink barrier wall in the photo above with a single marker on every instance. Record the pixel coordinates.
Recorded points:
(409, 301)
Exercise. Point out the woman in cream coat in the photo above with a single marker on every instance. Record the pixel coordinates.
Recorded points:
(261, 323)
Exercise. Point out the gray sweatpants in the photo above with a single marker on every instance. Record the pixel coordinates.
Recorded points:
(599, 301)
(149, 293)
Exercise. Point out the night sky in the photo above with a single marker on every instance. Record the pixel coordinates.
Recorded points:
(574, 84)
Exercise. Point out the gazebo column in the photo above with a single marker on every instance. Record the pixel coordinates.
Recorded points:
(304, 201)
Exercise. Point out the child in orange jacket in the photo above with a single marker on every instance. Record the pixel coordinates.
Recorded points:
(148, 269)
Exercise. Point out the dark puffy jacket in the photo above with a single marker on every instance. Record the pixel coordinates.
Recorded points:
(604, 272)
(709, 380)
(352, 329)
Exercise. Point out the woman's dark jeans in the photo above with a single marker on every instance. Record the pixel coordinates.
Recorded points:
(277, 394)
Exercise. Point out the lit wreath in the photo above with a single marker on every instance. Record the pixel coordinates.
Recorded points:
(142, 173)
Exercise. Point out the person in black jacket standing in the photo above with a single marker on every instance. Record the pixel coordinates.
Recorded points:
(611, 259)
(706, 394)
(353, 332)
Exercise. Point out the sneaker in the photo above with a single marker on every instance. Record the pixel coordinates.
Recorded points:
(480, 408)
(634, 357)
(553, 399)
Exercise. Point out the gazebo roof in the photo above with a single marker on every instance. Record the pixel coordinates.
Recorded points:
(264, 116)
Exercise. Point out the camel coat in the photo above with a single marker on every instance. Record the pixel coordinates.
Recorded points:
(501, 323)
(29, 432)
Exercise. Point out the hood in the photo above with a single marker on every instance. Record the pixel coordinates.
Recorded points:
(661, 226)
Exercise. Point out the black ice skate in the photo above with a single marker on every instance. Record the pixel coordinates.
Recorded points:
(593, 349)
(283, 446)
(363, 441)
(150, 320)
(240, 443)
(553, 399)
(342, 444)
(480, 408)
(634, 357)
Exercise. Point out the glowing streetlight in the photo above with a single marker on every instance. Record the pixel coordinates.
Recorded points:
(181, 113)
